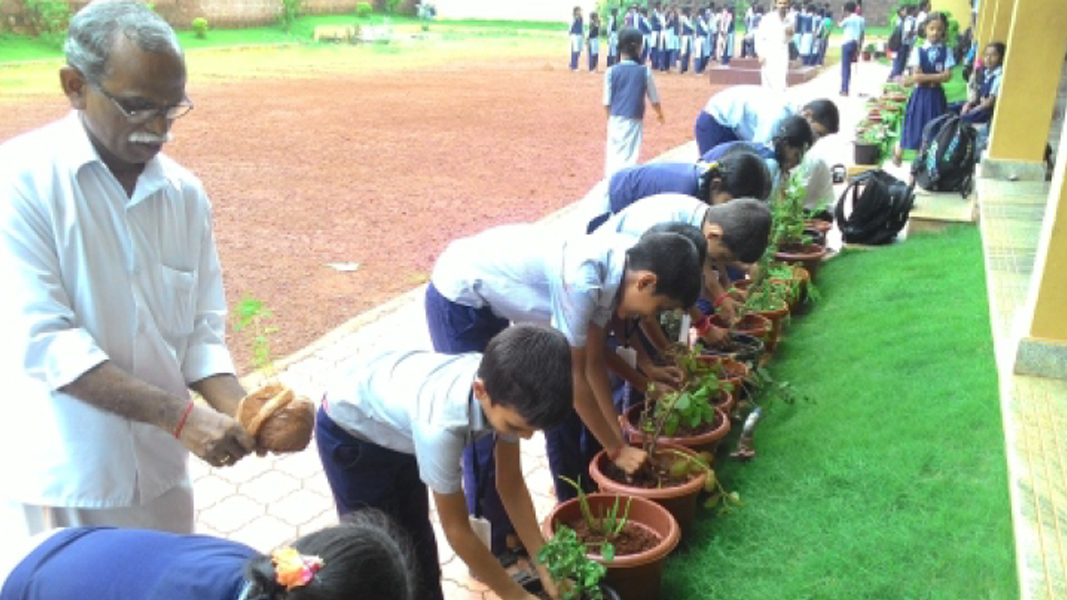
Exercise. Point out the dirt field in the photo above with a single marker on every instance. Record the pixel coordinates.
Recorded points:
(377, 157)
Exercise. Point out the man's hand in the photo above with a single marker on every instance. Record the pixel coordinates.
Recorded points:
(728, 309)
(713, 337)
(630, 459)
(216, 438)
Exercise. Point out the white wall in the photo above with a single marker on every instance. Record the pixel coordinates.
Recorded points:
(515, 10)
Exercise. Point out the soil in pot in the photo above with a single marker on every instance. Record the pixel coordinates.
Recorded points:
(808, 255)
(740, 347)
(654, 475)
(750, 324)
(633, 539)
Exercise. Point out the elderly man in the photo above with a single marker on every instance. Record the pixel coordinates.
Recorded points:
(113, 304)
(772, 46)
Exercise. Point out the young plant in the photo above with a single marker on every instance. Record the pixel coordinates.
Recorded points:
(253, 320)
(564, 557)
(200, 27)
(610, 524)
(686, 464)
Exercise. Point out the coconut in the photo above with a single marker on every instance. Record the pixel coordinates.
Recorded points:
(277, 418)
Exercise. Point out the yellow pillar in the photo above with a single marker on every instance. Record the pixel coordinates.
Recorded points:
(998, 21)
(1037, 39)
(1043, 348)
(986, 10)
(956, 9)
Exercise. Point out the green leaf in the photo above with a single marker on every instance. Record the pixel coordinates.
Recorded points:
(607, 551)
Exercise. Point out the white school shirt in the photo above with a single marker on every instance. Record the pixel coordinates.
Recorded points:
(996, 75)
(814, 172)
(913, 59)
(415, 402)
(854, 26)
(92, 275)
(750, 111)
(650, 211)
(525, 275)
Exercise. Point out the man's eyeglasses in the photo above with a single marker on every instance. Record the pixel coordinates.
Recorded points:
(143, 114)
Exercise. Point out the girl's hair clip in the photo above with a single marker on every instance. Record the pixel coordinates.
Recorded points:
(292, 569)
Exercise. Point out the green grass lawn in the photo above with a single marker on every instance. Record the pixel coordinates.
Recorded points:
(891, 482)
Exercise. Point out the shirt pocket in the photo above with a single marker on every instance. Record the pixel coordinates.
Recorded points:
(179, 302)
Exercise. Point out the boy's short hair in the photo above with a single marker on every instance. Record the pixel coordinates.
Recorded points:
(675, 261)
(528, 368)
(794, 131)
(743, 174)
(693, 234)
(850, 7)
(746, 227)
(824, 112)
(630, 41)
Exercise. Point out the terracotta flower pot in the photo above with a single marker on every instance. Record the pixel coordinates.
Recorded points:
(680, 500)
(734, 373)
(775, 317)
(801, 278)
(744, 348)
(637, 576)
(705, 442)
(808, 255)
(750, 324)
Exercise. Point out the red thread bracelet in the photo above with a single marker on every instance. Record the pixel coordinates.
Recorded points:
(703, 325)
(722, 296)
(185, 417)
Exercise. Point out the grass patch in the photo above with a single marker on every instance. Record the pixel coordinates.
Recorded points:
(892, 482)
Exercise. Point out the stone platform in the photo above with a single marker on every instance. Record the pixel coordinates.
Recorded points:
(746, 71)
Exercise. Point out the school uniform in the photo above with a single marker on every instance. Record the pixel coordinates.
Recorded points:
(685, 44)
(630, 185)
(645, 27)
(625, 87)
(613, 41)
(594, 46)
(726, 38)
(989, 87)
(393, 425)
(742, 112)
(900, 60)
(128, 564)
(576, 42)
(927, 101)
(828, 28)
(854, 26)
(671, 32)
(700, 44)
(713, 36)
(656, 39)
(748, 44)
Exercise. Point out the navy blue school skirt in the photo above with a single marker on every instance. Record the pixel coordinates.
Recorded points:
(924, 105)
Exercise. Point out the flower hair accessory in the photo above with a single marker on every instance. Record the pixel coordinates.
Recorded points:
(293, 569)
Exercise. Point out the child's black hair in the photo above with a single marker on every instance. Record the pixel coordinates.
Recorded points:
(850, 7)
(693, 234)
(528, 368)
(630, 41)
(999, 47)
(674, 260)
(365, 552)
(742, 172)
(746, 227)
(794, 132)
(824, 112)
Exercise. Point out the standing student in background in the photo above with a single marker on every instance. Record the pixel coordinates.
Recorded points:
(726, 35)
(625, 87)
(576, 37)
(713, 32)
(700, 41)
(655, 40)
(613, 37)
(594, 42)
(818, 33)
(645, 27)
(854, 26)
(929, 67)
(671, 32)
(806, 30)
(686, 41)
(827, 29)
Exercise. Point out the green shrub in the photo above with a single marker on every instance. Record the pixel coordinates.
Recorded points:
(289, 12)
(392, 6)
(49, 19)
(364, 9)
(200, 27)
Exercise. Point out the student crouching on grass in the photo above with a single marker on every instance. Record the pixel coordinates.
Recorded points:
(625, 87)
(791, 141)
(366, 556)
(397, 423)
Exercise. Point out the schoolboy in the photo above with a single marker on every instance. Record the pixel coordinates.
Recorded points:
(855, 27)
(792, 139)
(397, 422)
(747, 113)
(518, 273)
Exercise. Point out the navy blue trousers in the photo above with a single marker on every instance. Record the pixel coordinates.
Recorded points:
(710, 133)
(363, 474)
(848, 52)
(455, 329)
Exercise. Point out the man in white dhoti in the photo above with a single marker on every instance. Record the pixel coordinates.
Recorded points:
(772, 46)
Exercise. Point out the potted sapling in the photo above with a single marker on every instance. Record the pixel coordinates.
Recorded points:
(577, 577)
(278, 419)
(788, 220)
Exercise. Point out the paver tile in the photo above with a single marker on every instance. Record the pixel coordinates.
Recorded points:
(265, 533)
(211, 489)
(231, 513)
(269, 487)
(300, 507)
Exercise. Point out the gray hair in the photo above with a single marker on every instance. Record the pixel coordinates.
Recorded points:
(95, 29)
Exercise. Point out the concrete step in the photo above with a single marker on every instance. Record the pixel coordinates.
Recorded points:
(739, 75)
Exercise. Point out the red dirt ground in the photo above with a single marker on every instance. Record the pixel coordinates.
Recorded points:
(384, 169)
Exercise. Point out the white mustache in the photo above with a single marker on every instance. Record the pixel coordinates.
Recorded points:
(140, 137)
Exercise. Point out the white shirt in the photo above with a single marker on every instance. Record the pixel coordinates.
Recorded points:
(526, 276)
(750, 111)
(913, 58)
(854, 26)
(646, 213)
(415, 402)
(771, 40)
(814, 171)
(92, 275)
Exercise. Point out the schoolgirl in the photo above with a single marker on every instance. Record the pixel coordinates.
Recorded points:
(594, 42)
(726, 35)
(929, 67)
(625, 87)
(576, 37)
(700, 42)
(613, 37)
(980, 108)
(686, 41)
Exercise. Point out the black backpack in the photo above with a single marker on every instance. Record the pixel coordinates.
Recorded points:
(879, 211)
(946, 159)
(897, 37)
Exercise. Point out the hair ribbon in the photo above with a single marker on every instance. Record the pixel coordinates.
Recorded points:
(292, 569)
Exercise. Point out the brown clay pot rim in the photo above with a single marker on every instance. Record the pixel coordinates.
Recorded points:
(727, 362)
(807, 252)
(705, 438)
(608, 484)
(774, 315)
(763, 327)
(668, 539)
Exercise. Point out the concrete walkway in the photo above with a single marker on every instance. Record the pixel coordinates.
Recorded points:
(265, 502)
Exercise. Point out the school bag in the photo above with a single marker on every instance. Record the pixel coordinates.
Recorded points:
(896, 38)
(880, 207)
(947, 156)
